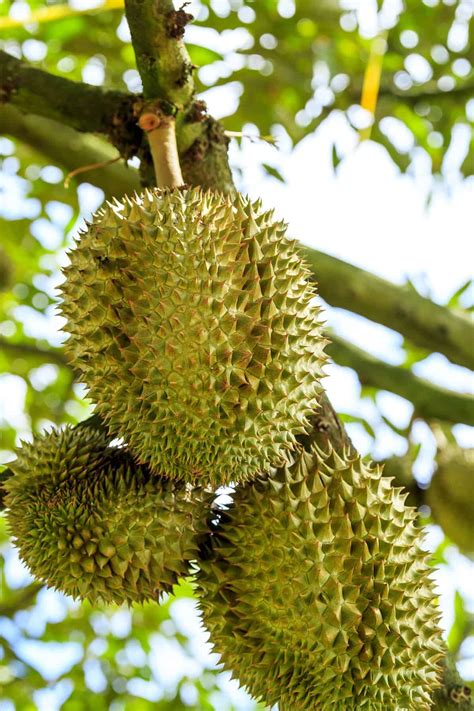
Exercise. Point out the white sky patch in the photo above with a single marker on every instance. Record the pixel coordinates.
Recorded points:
(51, 659)
(12, 401)
(222, 100)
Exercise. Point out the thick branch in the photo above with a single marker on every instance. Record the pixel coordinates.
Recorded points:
(430, 401)
(20, 600)
(71, 150)
(427, 92)
(81, 106)
(162, 59)
(91, 108)
(454, 695)
(28, 350)
(423, 322)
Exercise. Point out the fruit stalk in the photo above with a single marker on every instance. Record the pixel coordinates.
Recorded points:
(161, 133)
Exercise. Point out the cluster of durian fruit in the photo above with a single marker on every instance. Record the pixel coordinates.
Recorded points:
(193, 322)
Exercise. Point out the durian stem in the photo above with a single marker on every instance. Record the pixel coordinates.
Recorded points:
(161, 135)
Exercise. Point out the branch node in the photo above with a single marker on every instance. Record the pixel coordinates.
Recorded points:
(177, 21)
(197, 112)
(187, 70)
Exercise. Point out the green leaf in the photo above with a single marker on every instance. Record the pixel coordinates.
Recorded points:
(455, 299)
(400, 431)
(458, 631)
(347, 418)
(271, 170)
(200, 56)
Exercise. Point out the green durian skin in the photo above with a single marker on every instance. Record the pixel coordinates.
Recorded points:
(90, 522)
(193, 324)
(316, 593)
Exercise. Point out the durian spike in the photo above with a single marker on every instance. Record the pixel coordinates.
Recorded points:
(161, 133)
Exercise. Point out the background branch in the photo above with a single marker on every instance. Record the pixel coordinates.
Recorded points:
(21, 350)
(430, 401)
(423, 322)
(81, 106)
(70, 149)
(5, 271)
(23, 598)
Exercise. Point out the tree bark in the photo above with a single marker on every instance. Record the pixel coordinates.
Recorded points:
(431, 402)
(424, 323)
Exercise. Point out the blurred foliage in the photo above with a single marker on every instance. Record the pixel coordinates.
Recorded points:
(303, 60)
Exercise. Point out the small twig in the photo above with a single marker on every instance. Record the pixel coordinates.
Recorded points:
(85, 168)
(253, 139)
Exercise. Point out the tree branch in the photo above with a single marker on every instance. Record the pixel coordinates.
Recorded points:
(80, 106)
(71, 150)
(20, 600)
(28, 350)
(423, 322)
(454, 695)
(429, 90)
(162, 59)
(430, 401)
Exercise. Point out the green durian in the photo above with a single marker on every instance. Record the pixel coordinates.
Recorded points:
(451, 496)
(316, 592)
(193, 324)
(91, 523)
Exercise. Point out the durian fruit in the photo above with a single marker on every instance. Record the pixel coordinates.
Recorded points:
(451, 496)
(316, 593)
(90, 522)
(193, 324)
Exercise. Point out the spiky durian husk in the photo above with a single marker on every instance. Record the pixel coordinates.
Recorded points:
(316, 592)
(90, 522)
(193, 324)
